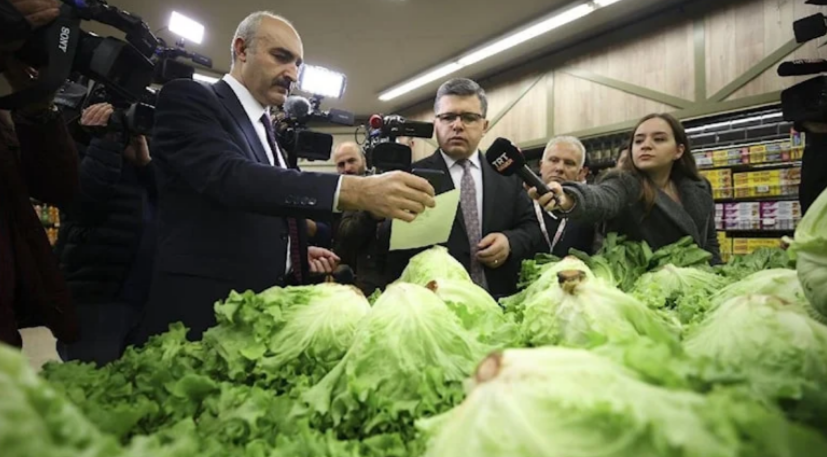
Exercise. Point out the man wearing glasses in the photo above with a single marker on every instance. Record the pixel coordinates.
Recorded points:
(495, 228)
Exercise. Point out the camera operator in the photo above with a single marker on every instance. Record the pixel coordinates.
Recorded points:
(37, 160)
(813, 165)
(106, 243)
(231, 213)
(355, 237)
(349, 160)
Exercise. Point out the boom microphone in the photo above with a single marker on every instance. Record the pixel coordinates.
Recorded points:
(802, 67)
(507, 160)
(297, 107)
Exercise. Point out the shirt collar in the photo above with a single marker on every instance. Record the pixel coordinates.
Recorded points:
(251, 106)
(450, 162)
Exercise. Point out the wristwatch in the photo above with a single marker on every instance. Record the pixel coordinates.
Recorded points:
(41, 116)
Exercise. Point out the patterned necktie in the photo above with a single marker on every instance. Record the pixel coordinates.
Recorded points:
(468, 203)
(292, 224)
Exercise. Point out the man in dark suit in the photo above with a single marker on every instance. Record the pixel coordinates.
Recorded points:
(563, 161)
(495, 228)
(231, 212)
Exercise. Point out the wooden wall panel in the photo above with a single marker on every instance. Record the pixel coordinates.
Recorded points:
(737, 35)
(581, 105)
(526, 120)
(663, 61)
(734, 43)
(778, 30)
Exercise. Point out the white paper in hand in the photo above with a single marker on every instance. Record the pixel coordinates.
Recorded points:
(432, 226)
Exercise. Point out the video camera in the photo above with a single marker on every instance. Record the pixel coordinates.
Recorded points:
(297, 112)
(806, 101)
(294, 133)
(382, 151)
(122, 70)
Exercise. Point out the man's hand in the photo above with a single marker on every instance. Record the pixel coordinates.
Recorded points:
(96, 115)
(321, 260)
(493, 250)
(394, 195)
(38, 12)
(137, 151)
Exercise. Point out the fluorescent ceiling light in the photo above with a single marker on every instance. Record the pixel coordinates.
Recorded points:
(204, 78)
(507, 42)
(186, 27)
(420, 81)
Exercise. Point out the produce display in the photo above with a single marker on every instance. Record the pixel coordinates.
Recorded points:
(627, 353)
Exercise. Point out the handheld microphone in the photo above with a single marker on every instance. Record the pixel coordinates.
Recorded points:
(507, 160)
(802, 67)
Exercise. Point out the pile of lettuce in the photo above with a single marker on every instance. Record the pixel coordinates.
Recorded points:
(625, 353)
(809, 247)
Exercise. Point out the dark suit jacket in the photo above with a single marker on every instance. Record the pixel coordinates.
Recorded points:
(576, 235)
(222, 206)
(616, 201)
(506, 209)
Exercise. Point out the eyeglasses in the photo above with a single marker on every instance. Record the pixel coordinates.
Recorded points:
(467, 118)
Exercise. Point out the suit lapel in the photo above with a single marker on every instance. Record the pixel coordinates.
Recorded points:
(233, 105)
(489, 192)
(681, 214)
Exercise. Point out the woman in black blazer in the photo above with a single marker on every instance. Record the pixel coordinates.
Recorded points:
(657, 196)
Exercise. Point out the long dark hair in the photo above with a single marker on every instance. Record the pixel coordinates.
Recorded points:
(685, 167)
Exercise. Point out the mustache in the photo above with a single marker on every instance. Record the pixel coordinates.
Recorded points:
(283, 82)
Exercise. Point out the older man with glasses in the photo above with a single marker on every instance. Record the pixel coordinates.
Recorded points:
(495, 228)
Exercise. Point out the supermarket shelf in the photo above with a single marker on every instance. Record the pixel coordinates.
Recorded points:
(759, 233)
(779, 198)
(754, 166)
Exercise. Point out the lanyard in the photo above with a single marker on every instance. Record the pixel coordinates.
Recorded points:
(560, 228)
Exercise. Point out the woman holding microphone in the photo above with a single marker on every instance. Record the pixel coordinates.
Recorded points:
(657, 196)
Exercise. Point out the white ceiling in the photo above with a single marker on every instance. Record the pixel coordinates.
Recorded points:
(379, 43)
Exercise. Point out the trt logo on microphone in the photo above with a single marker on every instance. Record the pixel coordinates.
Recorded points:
(502, 163)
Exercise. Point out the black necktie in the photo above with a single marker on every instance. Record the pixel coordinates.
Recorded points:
(292, 224)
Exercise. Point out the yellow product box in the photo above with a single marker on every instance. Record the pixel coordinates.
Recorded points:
(745, 192)
(725, 243)
(758, 154)
(796, 153)
(755, 243)
(722, 193)
(720, 179)
(725, 157)
(790, 176)
(742, 246)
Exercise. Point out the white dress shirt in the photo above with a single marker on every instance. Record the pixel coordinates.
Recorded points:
(476, 172)
(254, 111)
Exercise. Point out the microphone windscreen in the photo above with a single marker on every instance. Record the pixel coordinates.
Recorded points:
(297, 107)
(504, 157)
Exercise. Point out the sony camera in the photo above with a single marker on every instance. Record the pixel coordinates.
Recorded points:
(382, 151)
(806, 101)
(107, 69)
